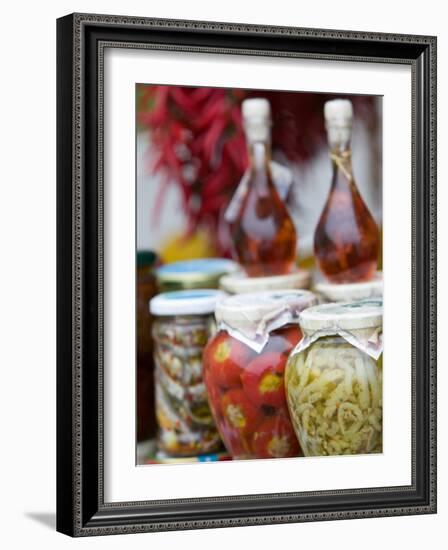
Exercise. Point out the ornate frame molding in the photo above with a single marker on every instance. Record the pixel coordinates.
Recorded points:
(82, 39)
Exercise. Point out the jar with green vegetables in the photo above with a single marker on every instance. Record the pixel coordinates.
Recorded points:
(334, 379)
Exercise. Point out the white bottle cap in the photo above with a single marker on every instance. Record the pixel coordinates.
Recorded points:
(338, 121)
(338, 112)
(256, 119)
(256, 108)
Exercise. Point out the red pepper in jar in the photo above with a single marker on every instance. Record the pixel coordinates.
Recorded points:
(239, 412)
(275, 438)
(226, 357)
(263, 380)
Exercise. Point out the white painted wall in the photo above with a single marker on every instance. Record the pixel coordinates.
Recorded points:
(27, 229)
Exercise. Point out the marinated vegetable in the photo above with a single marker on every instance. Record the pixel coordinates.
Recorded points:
(335, 399)
(263, 379)
(239, 412)
(244, 366)
(275, 438)
(225, 355)
(181, 329)
(246, 391)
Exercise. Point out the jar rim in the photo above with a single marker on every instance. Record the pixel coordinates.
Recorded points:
(253, 307)
(203, 271)
(353, 315)
(240, 283)
(344, 292)
(253, 316)
(186, 302)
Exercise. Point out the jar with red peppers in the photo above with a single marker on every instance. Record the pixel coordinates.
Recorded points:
(244, 367)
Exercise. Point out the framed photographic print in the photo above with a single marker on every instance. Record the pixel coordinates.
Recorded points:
(246, 274)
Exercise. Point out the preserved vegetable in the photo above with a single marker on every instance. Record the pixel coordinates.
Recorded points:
(245, 377)
(335, 399)
(183, 324)
(334, 379)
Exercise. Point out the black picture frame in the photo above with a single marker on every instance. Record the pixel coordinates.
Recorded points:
(81, 39)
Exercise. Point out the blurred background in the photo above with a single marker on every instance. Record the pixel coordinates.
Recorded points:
(191, 155)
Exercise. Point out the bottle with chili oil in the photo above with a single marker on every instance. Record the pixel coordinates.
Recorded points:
(263, 233)
(346, 240)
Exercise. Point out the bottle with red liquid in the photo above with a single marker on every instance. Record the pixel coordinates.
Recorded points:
(346, 240)
(263, 233)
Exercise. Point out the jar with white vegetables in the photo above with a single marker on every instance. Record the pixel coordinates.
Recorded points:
(334, 379)
(183, 322)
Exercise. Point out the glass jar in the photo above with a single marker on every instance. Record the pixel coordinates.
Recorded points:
(190, 274)
(334, 379)
(244, 372)
(348, 292)
(240, 283)
(183, 323)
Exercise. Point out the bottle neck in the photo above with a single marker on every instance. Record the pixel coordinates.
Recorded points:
(259, 155)
(339, 135)
(260, 172)
(341, 158)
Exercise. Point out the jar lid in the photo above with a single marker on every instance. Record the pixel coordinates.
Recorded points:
(361, 314)
(240, 283)
(203, 271)
(346, 292)
(186, 302)
(251, 317)
(146, 258)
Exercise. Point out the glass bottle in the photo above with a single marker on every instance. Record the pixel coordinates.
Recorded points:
(346, 240)
(146, 288)
(264, 236)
